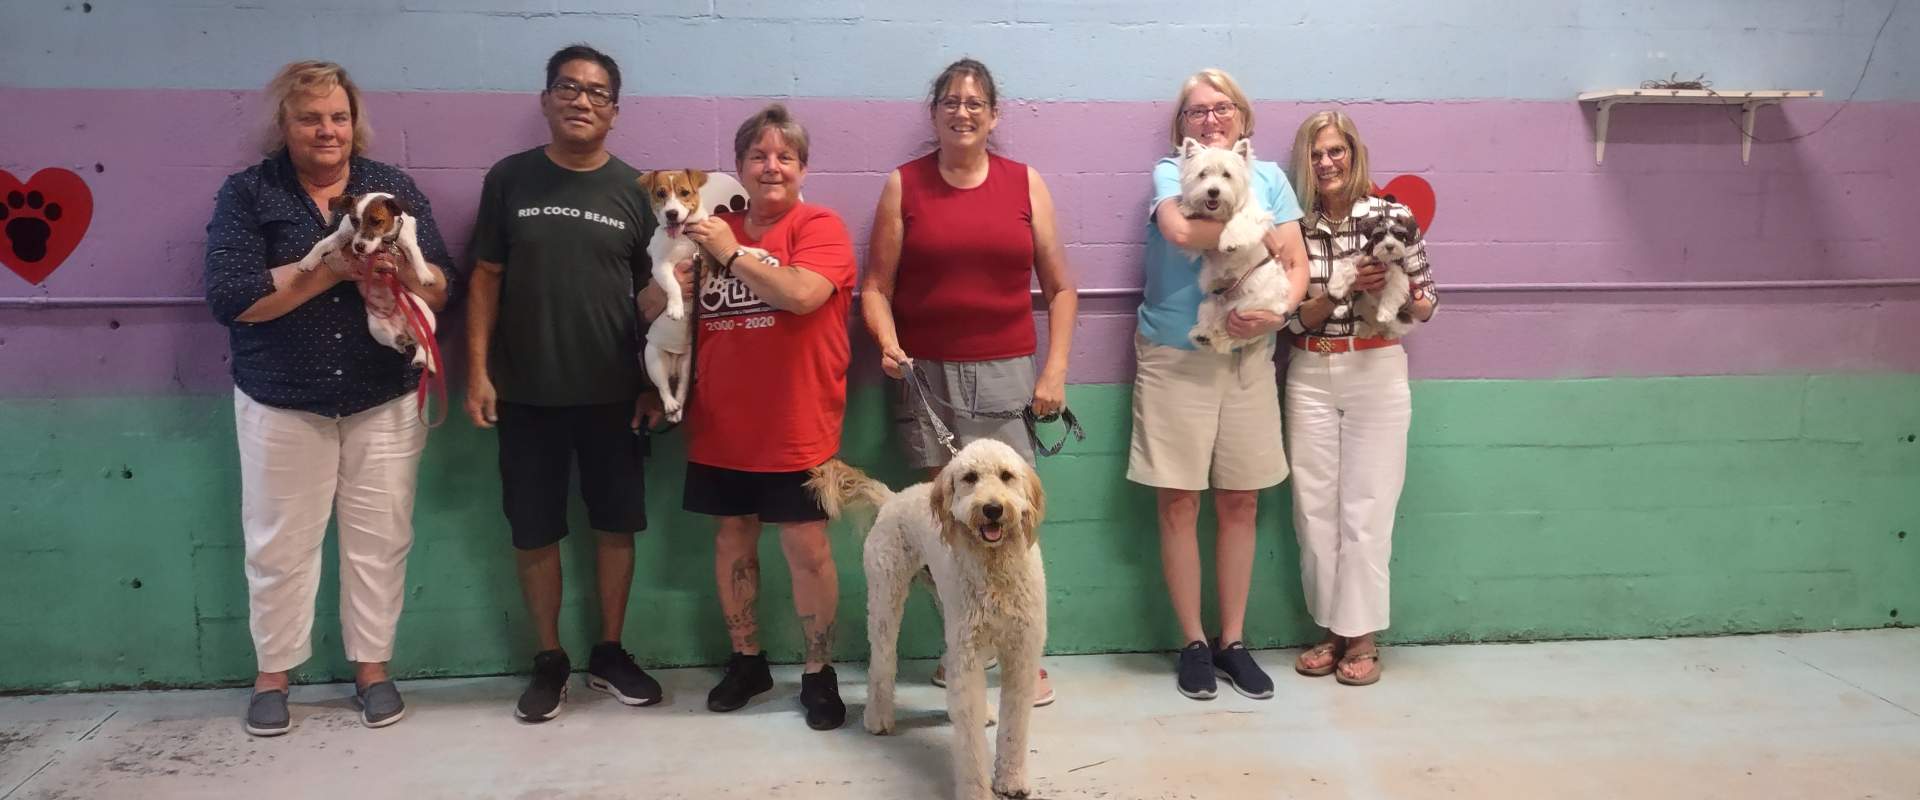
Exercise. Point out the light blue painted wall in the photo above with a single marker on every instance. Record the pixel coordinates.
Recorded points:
(1042, 49)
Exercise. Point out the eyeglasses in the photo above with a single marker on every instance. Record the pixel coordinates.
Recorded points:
(1224, 111)
(952, 105)
(1336, 154)
(568, 91)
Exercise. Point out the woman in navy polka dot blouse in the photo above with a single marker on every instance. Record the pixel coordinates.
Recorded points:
(325, 416)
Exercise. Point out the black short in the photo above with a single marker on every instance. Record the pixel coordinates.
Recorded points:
(536, 444)
(774, 496)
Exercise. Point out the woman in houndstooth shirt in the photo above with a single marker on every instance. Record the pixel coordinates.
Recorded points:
(1347, 407)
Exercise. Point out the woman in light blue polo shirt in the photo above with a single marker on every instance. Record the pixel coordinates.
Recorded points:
(1204, 420)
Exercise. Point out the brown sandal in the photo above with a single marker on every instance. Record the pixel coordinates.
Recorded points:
(1367, 679)
(1328, 648)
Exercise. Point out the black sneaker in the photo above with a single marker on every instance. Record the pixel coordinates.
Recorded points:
(820, 695)
(547, 692)
(746, 676)
(611, 669)
(1196, 672)
(1234, 663)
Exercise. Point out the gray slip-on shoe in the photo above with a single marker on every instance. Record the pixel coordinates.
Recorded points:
(267, 713)
(380, 704)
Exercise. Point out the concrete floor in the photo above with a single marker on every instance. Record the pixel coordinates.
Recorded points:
(1832, 715)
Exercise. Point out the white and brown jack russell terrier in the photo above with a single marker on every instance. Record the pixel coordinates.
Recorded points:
(675, 195)
(370, 223)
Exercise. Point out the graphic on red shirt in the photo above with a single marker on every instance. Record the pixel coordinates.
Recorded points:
(770, 386)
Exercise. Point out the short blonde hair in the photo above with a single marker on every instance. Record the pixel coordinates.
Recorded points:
(311, 78)
(1222, 83)
(1359, 176)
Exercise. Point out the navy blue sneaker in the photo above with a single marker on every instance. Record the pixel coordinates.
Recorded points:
(1196, 672)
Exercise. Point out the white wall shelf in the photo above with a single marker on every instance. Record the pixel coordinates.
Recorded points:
(1749, 102)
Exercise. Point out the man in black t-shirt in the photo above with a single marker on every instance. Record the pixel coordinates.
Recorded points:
(553, 337)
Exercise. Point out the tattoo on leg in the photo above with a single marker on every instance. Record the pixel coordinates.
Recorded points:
(744, 586)
(819, 638)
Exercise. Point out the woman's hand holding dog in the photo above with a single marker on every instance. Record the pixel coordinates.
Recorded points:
(1373, 276)
(1252, 323)
(714, 236)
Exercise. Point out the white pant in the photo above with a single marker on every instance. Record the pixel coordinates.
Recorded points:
(1346, 419)
(296, 466)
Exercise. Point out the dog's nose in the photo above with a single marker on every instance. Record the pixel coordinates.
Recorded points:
(993, 511)
(673, 216)
(1213, 193)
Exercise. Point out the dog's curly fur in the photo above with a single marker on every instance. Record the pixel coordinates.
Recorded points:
(976, 528)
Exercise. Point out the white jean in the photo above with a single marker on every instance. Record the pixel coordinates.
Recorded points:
(1346, 421)
(295, 469)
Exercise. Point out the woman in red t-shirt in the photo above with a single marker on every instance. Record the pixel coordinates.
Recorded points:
(770, 388)
(958, 238)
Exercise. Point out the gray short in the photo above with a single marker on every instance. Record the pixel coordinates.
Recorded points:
(980, 386)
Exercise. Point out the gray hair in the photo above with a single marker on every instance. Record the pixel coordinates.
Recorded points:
(774, 116)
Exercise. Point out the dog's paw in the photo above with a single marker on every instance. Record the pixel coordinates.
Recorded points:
(879, 722)
(1014, 786)
(676, 311)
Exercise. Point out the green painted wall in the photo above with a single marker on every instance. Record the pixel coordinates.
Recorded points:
(1533, 509)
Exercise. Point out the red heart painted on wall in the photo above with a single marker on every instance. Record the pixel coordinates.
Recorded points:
(42, 220)
(1413, 192)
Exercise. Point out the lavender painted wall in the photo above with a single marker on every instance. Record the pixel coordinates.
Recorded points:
(1520, 201)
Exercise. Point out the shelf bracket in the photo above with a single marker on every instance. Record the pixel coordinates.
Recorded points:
(1746, 126)
(1605, 111)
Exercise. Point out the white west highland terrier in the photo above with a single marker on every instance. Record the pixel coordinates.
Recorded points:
(1238, 274)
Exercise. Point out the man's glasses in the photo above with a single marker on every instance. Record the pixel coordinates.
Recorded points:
(568, 91)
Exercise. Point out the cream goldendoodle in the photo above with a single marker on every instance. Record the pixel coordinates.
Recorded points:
(976, 529)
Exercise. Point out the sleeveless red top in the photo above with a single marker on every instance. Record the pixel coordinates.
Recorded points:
(966, 264)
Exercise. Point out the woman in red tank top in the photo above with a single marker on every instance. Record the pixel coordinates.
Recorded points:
(958, 238)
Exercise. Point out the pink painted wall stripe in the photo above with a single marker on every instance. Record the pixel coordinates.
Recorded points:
(1520, 201)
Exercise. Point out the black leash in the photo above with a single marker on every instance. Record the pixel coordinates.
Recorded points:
(918, 380)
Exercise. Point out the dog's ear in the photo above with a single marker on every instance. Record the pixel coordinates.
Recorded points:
(1190, 147)
(398, 206)
(941, 497)
(1413, 229)
(1036, 502)
(646, 182)
(696, 177)
(343, 204)
(1244, 149)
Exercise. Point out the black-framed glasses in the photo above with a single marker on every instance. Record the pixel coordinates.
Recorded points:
(1224, 111)
(568, 91)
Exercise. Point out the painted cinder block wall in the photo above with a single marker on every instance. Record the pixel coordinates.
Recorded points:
(1631, 458)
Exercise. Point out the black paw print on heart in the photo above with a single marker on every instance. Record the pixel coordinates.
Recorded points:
(26, 218)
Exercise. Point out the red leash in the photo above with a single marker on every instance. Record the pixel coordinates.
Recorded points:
(423, 336)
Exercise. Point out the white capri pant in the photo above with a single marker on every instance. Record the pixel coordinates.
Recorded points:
(1346, 420)
(296, 468)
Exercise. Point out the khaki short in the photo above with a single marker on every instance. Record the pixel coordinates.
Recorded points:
(1203, 420)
